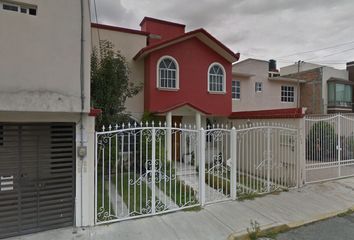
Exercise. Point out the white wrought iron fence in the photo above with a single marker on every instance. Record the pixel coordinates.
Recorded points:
(144, 169)
(329, 147)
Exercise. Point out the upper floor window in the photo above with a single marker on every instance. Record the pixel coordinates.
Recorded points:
(339, 95)
(167, 73)
(18, 7)
(287, 93)
(258, 87)
(216, 78)
(236, 89)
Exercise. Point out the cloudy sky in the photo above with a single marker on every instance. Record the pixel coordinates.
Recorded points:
(265, 29)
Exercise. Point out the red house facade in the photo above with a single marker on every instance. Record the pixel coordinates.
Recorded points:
(185, 74)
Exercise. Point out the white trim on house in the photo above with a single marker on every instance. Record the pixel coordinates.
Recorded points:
(158, 74)
(223, 79)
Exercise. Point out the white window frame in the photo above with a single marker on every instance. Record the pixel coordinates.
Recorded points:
(223, 91)
(258, 87)
(158, 74)
(284, 94)
(234, 90)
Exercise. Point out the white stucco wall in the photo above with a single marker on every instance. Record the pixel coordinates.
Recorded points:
(40, 57)
(269, 98)
(129, 45)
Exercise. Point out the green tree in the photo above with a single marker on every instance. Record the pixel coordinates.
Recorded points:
(110, 85)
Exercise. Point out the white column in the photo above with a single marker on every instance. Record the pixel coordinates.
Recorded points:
(169, 136)
(198, 120)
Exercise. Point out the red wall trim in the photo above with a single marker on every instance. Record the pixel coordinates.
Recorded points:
(273, 113)
(94, 112)
(118, 29)
(160, 21)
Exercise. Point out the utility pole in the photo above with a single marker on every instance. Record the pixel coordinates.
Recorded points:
(298, 84)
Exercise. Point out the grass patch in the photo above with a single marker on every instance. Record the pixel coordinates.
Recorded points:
(218, 182)
(136, 194)
(178, 191)
(348, 212)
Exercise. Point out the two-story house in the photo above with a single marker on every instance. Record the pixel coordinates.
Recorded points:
(45, 125)
(325, 90)
(187, 76)
(258, 91)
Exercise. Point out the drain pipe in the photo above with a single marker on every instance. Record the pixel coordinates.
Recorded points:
(82, 152)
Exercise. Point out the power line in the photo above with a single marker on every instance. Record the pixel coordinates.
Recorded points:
(345, 50)
(319, 49)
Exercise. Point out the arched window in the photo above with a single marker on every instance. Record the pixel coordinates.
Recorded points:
(167, 73)
(216, 78)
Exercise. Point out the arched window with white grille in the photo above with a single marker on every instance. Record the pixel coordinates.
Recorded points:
(216, 78)
(167, 72)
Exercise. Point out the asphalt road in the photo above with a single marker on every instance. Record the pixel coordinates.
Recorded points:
(338, 228)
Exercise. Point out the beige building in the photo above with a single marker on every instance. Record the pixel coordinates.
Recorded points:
(44, 116)
(257, 86)
(325, 90)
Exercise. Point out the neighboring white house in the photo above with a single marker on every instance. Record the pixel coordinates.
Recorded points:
(257, 86)
(44, 116)
(327, 89)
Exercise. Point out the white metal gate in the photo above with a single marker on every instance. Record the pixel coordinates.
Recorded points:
(329, 147)
(144, 170)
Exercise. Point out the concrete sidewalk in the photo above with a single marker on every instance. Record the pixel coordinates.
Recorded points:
(223, 220)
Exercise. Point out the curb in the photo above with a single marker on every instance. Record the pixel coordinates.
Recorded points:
(286, 227)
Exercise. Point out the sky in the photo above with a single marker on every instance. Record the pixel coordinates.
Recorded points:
(264, 29)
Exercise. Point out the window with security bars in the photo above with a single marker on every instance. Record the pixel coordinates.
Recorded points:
(236, 89)
(168, 74)
(216, 79)
(287, 93)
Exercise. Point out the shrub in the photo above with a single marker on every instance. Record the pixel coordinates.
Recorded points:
(321, 142)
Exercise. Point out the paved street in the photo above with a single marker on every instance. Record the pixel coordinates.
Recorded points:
(338, 228)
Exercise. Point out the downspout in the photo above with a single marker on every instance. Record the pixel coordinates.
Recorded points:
(82, 94)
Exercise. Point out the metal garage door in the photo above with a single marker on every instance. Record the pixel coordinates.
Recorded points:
(37, 176)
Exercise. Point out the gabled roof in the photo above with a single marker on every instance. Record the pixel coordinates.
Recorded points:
(202, 35)
(182, 105)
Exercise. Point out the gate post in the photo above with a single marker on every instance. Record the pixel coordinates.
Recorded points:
(202, 166)
(268, 159)
(233, 148)
(153, 169)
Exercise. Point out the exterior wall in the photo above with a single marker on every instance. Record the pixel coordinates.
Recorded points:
(329, 72)
(314, 92)
(166, 30)
(269, 98)
(84, 181)
(40, 58)
(304, 66)
(194, 59)
(311, 91)
(128, 44)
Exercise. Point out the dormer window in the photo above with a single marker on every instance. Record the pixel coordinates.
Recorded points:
(216, 78)
(167, 73)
